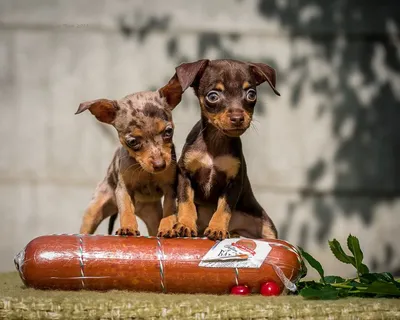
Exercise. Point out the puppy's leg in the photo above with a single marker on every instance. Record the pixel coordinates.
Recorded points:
(111, 223)
(218, 227)
(219, 223)
(267, 227)
(126, 209)
(151, 214)
(253, 223)
(205, 214)
(169, 220)
(187, 214)
(249, 219)
(101, 206)
(268, 230)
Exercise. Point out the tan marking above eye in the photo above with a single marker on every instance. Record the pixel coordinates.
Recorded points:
(167, 125)
(160, 125)
(246, 85)
(220, 86)
(136, 132)
(227, 164)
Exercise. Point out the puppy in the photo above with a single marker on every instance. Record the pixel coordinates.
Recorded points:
(214, 191)
(144, 166)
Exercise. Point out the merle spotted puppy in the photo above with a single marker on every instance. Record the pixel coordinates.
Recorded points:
(144, 166)
(215, 197)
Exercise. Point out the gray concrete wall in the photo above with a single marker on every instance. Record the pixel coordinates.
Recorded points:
(323, 158)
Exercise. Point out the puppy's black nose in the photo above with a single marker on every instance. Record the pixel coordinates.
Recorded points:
(237, 119)
(158, 165)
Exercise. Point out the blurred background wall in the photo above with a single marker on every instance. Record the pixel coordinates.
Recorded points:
(324, 158)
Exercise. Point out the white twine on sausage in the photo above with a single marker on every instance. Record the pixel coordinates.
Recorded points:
(81, 262)
(290, 285)
(237, 276)
(286, 282)
(160, 255)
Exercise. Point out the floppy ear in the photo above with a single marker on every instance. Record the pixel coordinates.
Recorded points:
(103, 109)
(263, 72)
(183, 78)
(172, 92)
(188, 72)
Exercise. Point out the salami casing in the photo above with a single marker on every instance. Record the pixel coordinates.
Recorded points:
(99, 262)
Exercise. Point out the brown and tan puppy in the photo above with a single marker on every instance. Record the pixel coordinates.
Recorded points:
(214, 192)
(143, 168)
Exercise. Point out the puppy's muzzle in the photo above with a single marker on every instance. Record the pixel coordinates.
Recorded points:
(237, 119)
(158, 165)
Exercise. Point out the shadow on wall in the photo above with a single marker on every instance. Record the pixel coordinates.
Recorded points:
(362, 95)
(358, 85)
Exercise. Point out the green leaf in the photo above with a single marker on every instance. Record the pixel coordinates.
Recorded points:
(313, 284)
(388, 277)
(354, 246)
(303, 267)
(313, 263)
(326, 292)
(372, 277)
(307, 284)
(334, 279)
(383, 289)
(363, 269)
(352, 282)
(337, 250)
(303, 284)
(384, 277)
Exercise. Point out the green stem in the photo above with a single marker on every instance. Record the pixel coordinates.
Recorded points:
(355, 291)
(345, 286)
(339, 285)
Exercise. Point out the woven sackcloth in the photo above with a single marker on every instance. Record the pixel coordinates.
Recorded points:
(17, 302)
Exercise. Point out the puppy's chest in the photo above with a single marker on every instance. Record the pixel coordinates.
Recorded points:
(144, 187)
(211, 172)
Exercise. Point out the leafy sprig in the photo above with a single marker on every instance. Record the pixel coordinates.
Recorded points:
(366, 284)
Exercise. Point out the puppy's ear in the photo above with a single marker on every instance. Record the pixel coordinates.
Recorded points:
(188, 73)
(103, 109)
(172, 92)
(263, 72)
(185, 76)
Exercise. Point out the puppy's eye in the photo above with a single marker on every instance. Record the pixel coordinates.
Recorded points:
(133, 143)
(251, 95)
(168, 132)
(212, 96)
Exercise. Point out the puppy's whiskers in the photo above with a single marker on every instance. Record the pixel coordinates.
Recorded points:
(131, 166)
(203, 129)
(253, 126)
(139, 170)
(125, 156)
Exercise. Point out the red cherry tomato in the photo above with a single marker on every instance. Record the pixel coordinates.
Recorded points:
(240, 290)
(270, 288)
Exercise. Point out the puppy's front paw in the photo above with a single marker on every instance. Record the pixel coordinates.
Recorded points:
(215, 233)
(234, 235)
(166, 228)
(170, 233)
(184, 230)
(127, 232)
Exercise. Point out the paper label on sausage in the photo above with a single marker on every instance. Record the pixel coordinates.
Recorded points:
(236, 253)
